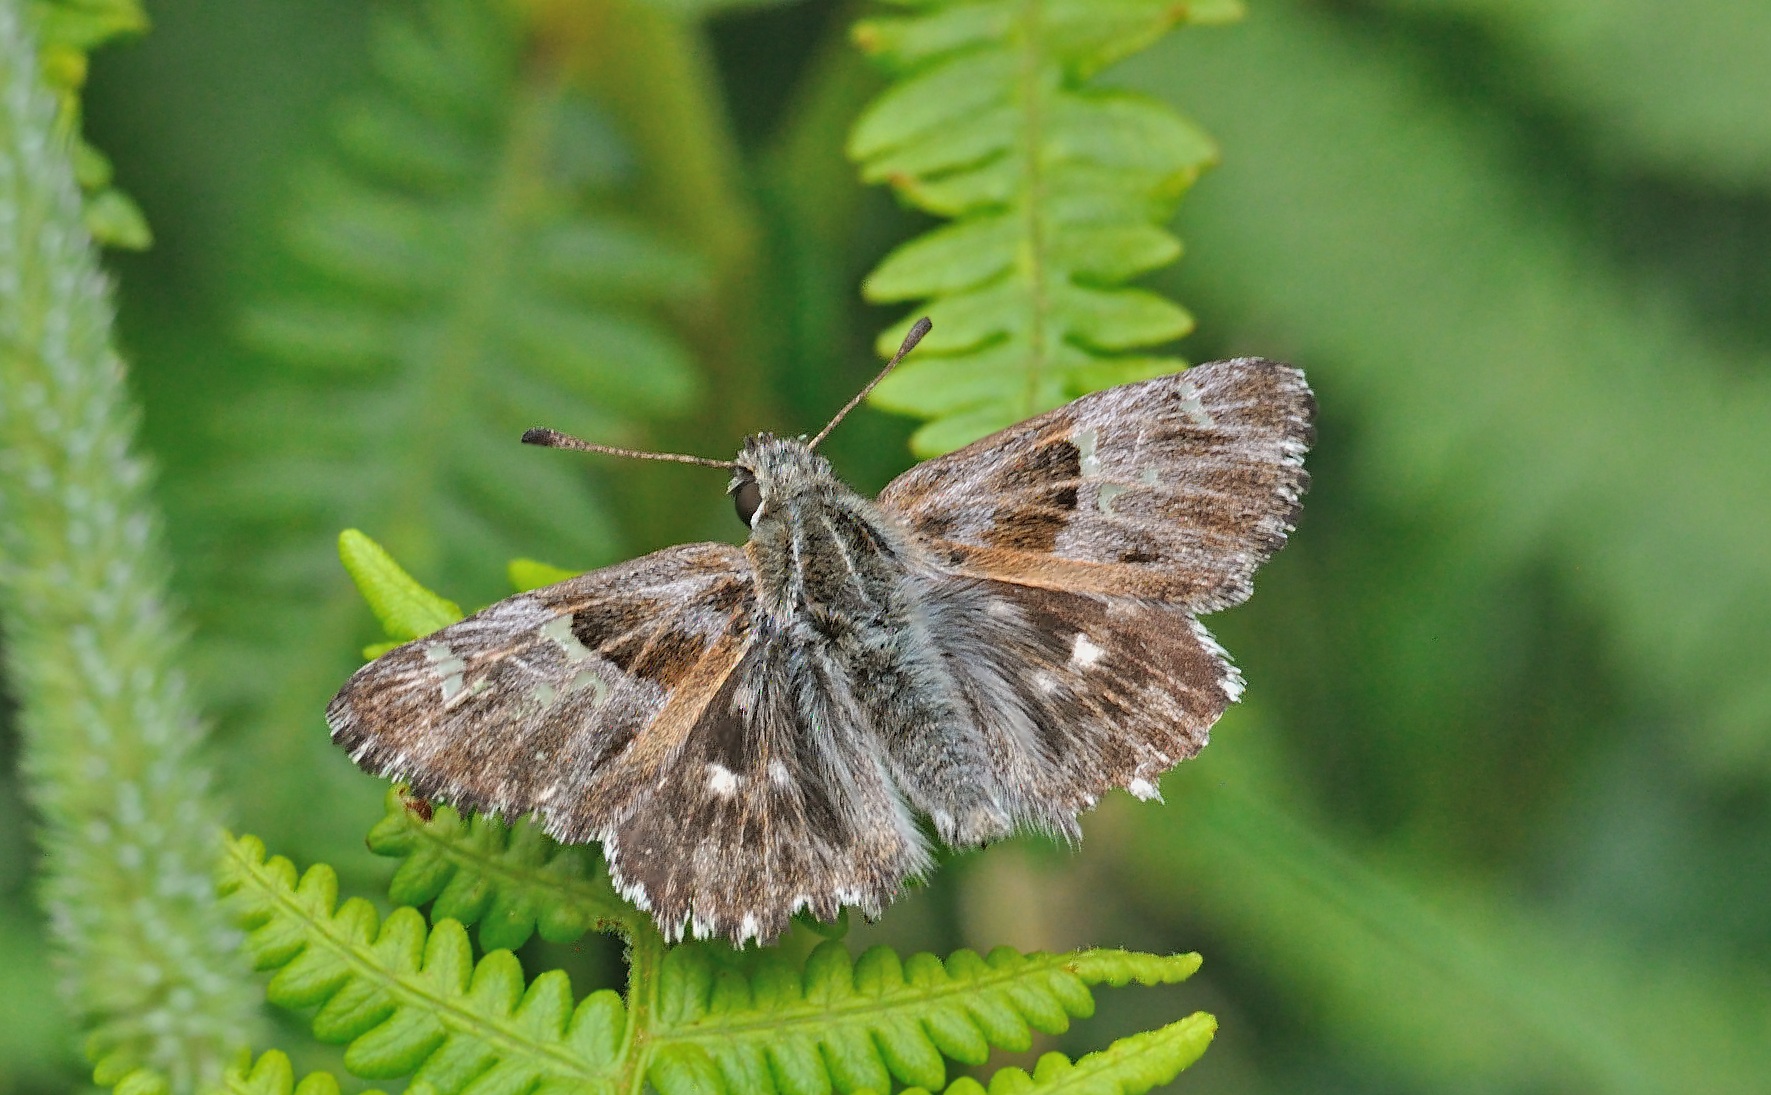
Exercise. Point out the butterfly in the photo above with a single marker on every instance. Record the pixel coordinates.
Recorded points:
(1002, 636)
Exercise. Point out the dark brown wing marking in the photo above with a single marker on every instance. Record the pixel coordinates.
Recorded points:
(1175, 488)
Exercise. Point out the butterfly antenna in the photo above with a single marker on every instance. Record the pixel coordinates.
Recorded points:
(910, 341)
(554, 439)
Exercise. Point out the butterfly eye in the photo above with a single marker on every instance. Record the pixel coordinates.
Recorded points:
(748, 498)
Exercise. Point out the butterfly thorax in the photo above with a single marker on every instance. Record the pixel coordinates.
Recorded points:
(825, 558)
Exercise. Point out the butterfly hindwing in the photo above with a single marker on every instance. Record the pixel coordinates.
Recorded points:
(778, 801)
(1067, 695)
(1175, 488)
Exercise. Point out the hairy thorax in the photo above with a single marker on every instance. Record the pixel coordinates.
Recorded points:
(828, 563)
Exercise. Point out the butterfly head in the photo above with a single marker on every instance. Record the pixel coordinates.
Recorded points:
(770, 472)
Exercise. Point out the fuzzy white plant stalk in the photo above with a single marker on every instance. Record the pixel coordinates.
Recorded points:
(128, 825)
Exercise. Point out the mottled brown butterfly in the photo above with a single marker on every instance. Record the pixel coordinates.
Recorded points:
(1006, 633)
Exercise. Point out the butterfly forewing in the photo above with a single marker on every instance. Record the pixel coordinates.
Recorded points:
(559, 700)
(1175, 488)
(636, 705)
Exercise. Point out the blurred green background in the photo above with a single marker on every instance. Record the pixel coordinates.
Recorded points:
(1496, 814)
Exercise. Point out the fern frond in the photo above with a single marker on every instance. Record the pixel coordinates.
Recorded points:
(470, 272)
(527, 574)
(270, 1074)
(1130, 1066)
(406, 609)
(870, 1020)
(472, 280)
(67, 33)
(703, 1017)
(408, 1002)
(511, 880)
(1058, 191)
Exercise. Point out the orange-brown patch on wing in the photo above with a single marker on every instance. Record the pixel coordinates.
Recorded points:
(694, 691)
(1045, 571)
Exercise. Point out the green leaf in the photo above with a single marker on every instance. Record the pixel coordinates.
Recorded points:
(85, 25)
(1058, 189)
(115, 220)
(878, 1018)
(141, 1081)
(511, 880)
(404, 1001)
(527, 574)
(1130, 1066)
(406, 609)
(67, 31)
(272, 1074)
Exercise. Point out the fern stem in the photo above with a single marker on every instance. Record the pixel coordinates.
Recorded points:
(645, 966)
(110, 739)
(1030, 76)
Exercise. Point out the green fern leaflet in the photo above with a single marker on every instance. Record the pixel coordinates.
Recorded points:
(67, 33)
(1057, 189)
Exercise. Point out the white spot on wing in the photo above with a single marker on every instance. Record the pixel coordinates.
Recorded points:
(559, 629)
(1045, 682)
(1193, 409)
(443, 658)
(1144, 789)
(591, 679)
(1105, 495)
(449, 664)
(1085, 442)
(1084, 652)
(778, 774)
(721, 780)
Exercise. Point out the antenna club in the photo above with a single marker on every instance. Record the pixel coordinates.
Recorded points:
(554, 439)
(921, 327)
